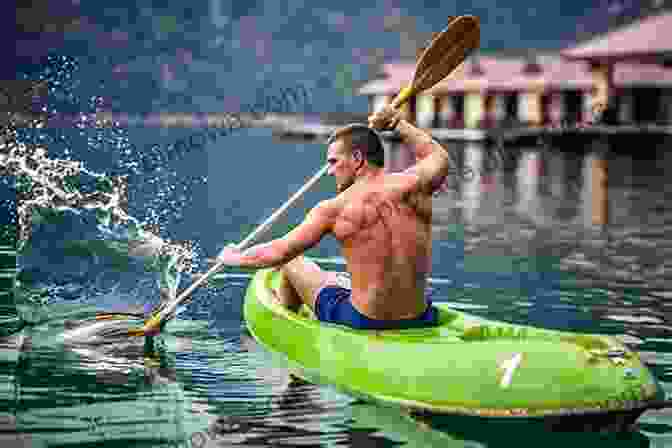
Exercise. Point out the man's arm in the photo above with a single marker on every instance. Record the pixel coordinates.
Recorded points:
(317, 223)
(433, 161)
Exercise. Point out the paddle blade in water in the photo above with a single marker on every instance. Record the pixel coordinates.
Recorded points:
(137, 332)
(152, 327)
(109, 316)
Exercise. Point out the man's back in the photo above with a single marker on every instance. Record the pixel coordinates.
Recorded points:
(385, 233)
(383, 222)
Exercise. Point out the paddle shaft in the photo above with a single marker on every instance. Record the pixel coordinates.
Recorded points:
(263, 227)
(251, 238)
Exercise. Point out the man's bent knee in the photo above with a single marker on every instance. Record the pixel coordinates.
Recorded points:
(306, 277)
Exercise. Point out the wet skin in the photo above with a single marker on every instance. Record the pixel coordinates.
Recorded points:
(384, 228)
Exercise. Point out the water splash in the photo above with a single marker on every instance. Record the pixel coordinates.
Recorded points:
(49, 186)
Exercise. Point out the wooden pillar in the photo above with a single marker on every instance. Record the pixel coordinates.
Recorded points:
(425, 111)
(474, 109)
(489, 110)
(603, 80)
(438, 103)
(556, 108)
(529, 109)
(444, 111)
(499, 108)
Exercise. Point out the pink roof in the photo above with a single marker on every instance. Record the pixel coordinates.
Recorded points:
(648, 37)
(642, 74)
(400, 75)
(498, 74)
(396, 76)
(506, 74)
(560, 73)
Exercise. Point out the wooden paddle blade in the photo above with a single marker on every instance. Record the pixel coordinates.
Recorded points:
(446, 52)
(108, 316)
(136, 332)
(152, 326)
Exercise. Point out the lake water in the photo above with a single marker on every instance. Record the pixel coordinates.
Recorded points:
(536, 242)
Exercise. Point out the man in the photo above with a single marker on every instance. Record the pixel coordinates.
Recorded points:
(382, 221)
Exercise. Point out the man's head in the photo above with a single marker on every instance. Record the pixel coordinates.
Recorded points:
(354, 150)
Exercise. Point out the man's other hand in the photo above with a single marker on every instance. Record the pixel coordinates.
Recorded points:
(229, 256)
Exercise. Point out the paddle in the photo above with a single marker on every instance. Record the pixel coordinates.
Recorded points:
(446, 51)
(152, 325)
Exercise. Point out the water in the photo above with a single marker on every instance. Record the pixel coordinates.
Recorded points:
(522, 244)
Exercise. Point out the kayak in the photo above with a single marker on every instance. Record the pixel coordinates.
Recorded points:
(467, 365)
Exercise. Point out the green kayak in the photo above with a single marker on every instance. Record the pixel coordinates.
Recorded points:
(466, 366)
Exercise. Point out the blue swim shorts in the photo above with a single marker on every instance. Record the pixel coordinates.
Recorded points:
(333, 305)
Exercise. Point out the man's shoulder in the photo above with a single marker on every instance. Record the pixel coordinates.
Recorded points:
(330, 208)
(403, 184)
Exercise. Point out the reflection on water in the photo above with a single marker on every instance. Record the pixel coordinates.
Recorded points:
(543, 238)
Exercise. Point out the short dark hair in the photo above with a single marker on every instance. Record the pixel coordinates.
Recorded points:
(363, 138)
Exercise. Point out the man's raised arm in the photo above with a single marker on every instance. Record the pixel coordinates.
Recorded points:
(433, 161)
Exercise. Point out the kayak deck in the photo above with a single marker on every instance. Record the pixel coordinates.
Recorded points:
(467, 365)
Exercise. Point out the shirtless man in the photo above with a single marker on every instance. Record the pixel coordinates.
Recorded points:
(382, 221)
